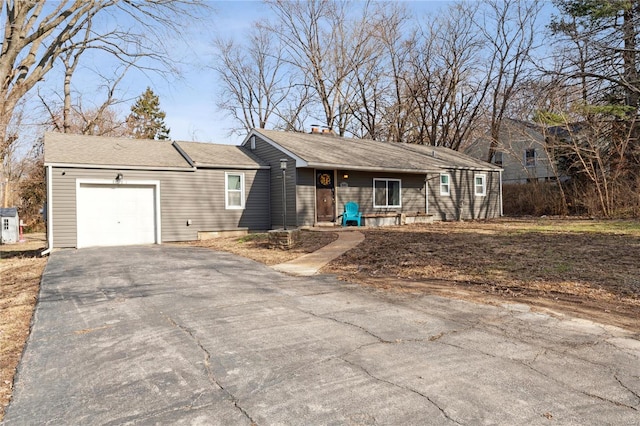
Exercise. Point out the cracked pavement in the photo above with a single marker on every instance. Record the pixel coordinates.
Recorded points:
(180, 335)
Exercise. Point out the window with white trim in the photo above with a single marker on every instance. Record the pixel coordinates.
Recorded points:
(530, 157)
(445, 184)
(5, 224)
(480, 185)
(234, 190)
(387, 193)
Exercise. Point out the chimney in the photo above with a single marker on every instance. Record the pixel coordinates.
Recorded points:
(315, 128)
(328, 131)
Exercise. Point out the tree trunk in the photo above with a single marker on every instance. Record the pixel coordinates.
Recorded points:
(66, 110)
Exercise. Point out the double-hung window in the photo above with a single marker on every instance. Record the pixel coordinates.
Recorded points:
(5, 224)
(445, 184)
(387, 193)
(480, 185)
(530, 157)
(234, 190)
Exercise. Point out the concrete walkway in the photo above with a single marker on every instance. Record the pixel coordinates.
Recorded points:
(310, 264)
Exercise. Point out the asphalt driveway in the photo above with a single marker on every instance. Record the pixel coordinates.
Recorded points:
(176, 335)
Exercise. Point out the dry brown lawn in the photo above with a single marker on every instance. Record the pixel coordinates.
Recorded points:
(21, 267)
(256, 246)
(586, 268)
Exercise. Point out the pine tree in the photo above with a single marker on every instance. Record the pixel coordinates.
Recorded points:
(146, 120)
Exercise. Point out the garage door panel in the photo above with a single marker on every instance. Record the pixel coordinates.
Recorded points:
(120, 214)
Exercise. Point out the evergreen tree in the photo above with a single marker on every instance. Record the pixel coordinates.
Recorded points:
(146, 120)
(603, 36)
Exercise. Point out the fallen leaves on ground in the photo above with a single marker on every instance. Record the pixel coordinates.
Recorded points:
(565, 264)
(256, 246)
(20, 272)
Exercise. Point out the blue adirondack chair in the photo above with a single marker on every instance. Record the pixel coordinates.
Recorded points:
(351, 213)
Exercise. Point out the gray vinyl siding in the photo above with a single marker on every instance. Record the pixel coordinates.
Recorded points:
(197, 196)
(306, 197)
(360, 189)
(462, 203)
(272, 156)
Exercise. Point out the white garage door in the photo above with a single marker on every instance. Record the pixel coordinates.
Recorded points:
(114, 215)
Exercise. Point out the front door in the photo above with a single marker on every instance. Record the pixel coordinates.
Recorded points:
(324, 196)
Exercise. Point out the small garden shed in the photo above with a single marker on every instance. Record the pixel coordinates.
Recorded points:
(10, 223)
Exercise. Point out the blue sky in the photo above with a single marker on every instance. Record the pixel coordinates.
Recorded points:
(190, 100)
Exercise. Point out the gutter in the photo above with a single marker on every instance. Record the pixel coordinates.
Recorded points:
(49, 212)
(426, 194)
(371, 169)
(230, 166)
(120, 167)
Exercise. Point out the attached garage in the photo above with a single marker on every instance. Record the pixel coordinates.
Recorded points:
(118, 214)
(104, 191)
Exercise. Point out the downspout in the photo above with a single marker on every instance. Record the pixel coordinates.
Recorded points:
(426, 194)
(49, 213)
(501, 208)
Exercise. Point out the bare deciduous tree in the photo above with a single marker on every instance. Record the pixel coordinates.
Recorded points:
(379, 105)
(509, 29)
(446, 80)
(38, 33)
(255, 84)
(73, 115)
(326, 40)
(593, 154)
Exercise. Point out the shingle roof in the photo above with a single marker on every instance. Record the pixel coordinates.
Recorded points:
(220, 156)
(450, 158)
(62, 148)
(321, 150)
(8, 212)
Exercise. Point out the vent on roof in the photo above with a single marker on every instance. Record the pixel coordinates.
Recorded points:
(433, 154)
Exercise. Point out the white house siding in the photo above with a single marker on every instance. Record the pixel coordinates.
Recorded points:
(462, 203)
(197, 196)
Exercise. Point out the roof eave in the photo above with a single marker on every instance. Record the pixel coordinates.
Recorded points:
(231, 166)
(479, 169)
(119, 167)
(300, 162)
(370, 168)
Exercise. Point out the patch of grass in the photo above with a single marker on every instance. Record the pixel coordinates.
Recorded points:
(625, 227)
(256, 236)
(562, 268)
